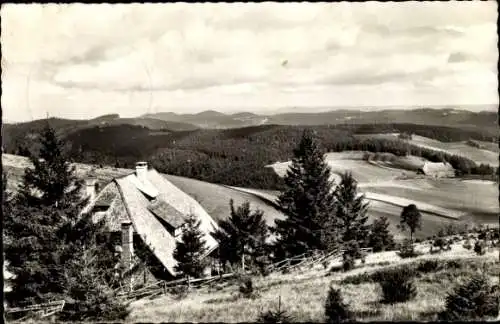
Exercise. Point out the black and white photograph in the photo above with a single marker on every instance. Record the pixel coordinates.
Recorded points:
(266, 162)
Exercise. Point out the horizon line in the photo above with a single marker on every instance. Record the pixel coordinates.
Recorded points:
(286, 110)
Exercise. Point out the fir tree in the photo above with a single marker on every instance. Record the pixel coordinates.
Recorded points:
(52, 181)
(308, 201)
(243, 233)
(190, 251)
(351, 212)
(47, 237)
(380, 238)
(89, 296)
(411, 219)
(33, 252)
(336, 310)
(473, 300)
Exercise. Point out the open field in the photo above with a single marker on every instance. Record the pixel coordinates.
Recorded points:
(433, 217)
(303, 294)
(440, 200)
(488, 155)
(215, 198)
(363, 171)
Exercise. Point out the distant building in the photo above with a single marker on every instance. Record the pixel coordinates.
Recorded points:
(144, 206)
(437, 170)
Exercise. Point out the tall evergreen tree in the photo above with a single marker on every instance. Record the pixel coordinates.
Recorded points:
(351, 211)
(380, 238)
(243, 234)
(52, 180)
(308, 201)
(190, 250)
(411, 219)
(46, 237)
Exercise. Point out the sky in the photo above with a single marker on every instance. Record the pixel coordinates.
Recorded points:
(82, 61)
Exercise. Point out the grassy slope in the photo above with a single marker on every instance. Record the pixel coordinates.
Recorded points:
(303, 294)
(466, 200)
(215, 198)
(487, 156)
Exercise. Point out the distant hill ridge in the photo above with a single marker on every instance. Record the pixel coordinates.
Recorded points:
(427, 116)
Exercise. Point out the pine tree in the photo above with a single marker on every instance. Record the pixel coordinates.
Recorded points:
(46, 236)
(411, 219)
(336, 310)
(473, 300)
(89, 296)
(380, 238)
(244, 233)
(52, 181)
(308, 201)
(351, 211)
(190, 250)
(33, 252)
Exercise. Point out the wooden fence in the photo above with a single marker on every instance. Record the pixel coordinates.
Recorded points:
(38, 310)
(296, 263)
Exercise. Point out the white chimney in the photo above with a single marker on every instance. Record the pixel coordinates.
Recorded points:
(141, 171)
(127, 252)
(127, 245)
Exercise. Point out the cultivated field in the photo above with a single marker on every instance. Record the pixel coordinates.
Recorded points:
(303, 294)
(487, 155)
(440, 200)
(353, 161)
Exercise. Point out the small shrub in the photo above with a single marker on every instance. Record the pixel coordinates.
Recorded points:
(480, 247)
(407, 250)
(278, 316)
(397, 286)
(474, 300)
(439, 242)
(351, 253)
(467, 245)
(454, 264)
(376, 276)
(348, 262)
(428, 266)
(246, 287)
(336, 310)
(179, 292)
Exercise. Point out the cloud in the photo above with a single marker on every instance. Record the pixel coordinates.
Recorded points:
(232, 54)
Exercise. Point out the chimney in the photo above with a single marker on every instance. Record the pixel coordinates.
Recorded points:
(141, 171)
(127, 245)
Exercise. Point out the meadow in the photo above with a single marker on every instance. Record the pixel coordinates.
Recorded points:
(303, 294)
(487, 155)
(390, 186)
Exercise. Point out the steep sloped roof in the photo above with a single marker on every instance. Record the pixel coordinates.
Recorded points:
(149, 228)
(144, 203)
(166, 212)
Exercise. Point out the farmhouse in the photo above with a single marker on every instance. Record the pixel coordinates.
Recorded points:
(145, 208)
(437, 170)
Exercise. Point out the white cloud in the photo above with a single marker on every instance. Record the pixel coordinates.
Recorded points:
(105, 58)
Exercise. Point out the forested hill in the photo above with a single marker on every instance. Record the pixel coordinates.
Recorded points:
(236, 156)
(423, 116)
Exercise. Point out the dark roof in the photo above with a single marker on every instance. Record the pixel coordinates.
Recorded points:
(166, 212)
